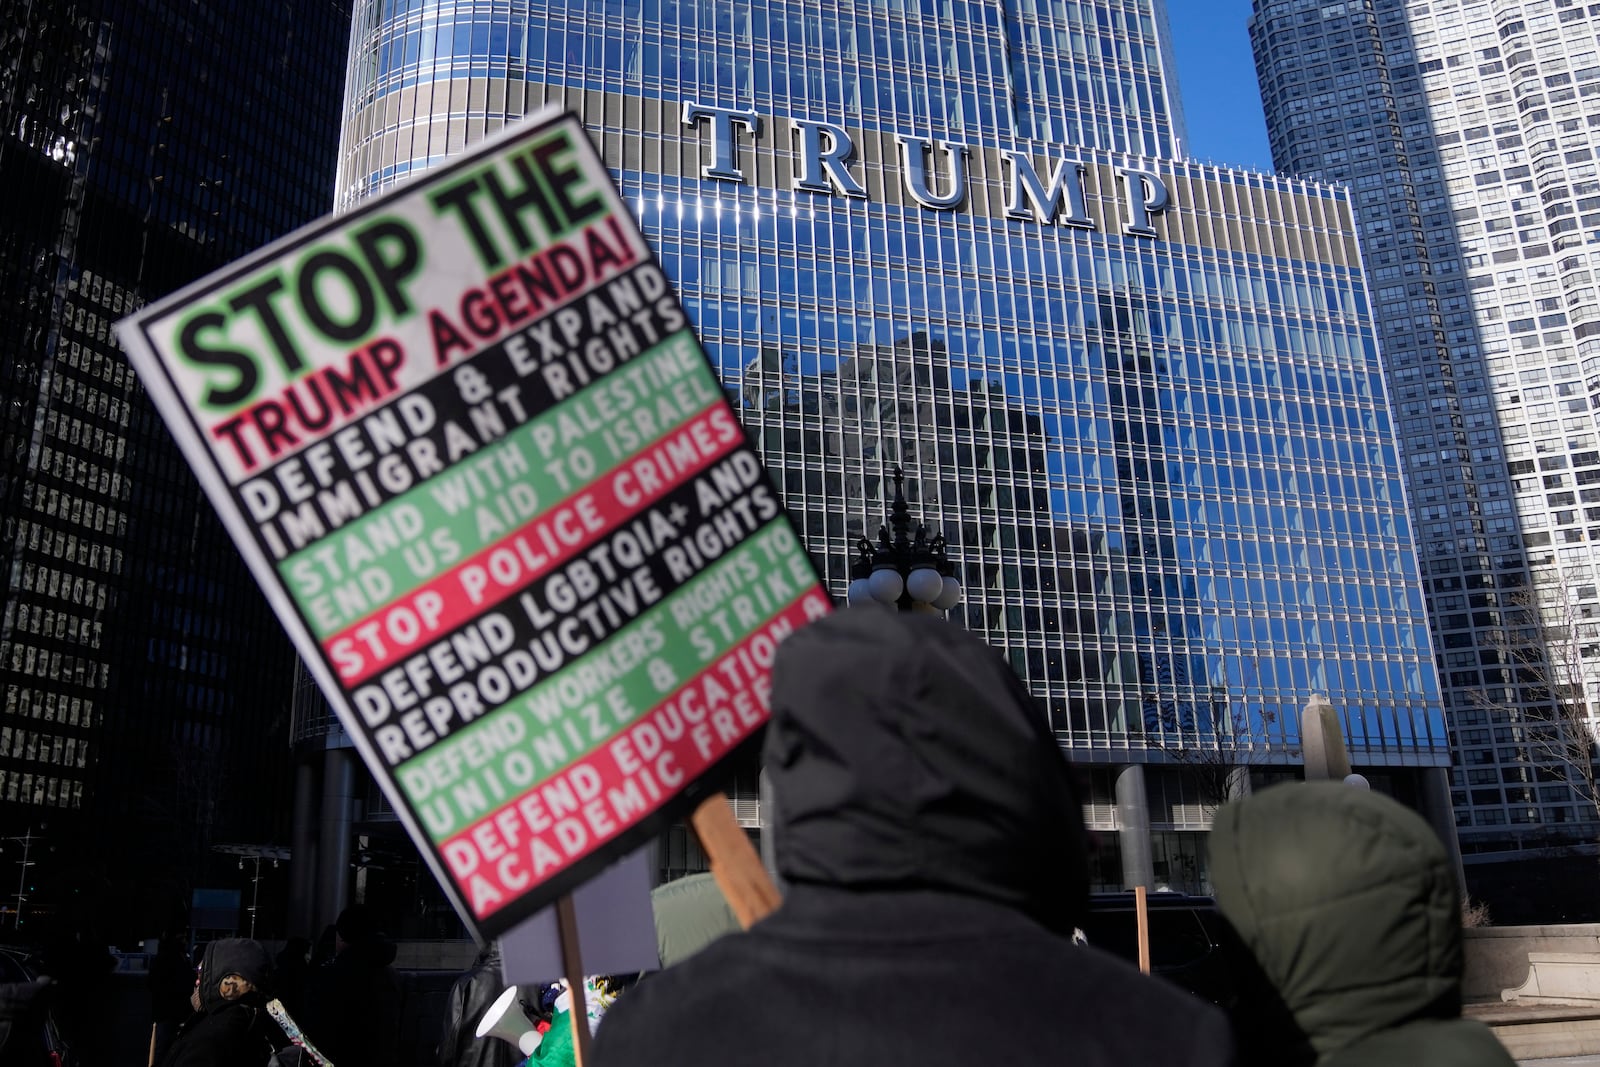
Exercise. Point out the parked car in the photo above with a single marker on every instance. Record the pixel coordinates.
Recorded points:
(1190, 943)
(18, 967)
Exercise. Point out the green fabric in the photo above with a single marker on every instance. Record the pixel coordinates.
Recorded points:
(555, 1049)
(1348, 902)
(1424, 1042)
(690, 913)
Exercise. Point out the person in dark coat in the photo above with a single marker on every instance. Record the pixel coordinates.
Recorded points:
(171, 983)
(469, 998)
(352, 1003)
(230, 1027)
(326, 948)
(1348, 906)
(690, 913)
(74, 954)
(290, 972)
(933, 843)
(24, 1012)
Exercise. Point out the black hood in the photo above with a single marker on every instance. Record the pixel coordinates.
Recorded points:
(375, 953)
(905, 754)
(235, 955)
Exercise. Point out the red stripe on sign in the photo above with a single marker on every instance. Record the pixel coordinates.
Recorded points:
(570, 815)
(506, 567)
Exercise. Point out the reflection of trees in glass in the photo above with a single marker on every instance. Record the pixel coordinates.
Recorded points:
(970, 454)
(1103, 619)
(976, 462)
(1541, 696)
(1172, 692)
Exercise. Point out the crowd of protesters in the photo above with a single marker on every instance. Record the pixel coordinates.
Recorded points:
(931, 840)
(249, 1009)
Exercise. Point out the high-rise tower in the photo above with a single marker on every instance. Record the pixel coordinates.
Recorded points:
(145, 683)
(1139, 395)
(1468, 131)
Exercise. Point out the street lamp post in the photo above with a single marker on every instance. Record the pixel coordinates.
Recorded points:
(22, 877)
(907, 569)
(255, 890)
(255, 853)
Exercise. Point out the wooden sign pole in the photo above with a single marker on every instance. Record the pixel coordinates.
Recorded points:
(1141, 907)
(734, 862)
(572, 965)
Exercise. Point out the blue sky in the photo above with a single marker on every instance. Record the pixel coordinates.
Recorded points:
(1217, 78)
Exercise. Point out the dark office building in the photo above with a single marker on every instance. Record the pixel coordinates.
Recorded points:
(146, 684)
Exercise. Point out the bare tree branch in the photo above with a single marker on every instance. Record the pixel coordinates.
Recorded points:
(1543, 645)
(1211, 761)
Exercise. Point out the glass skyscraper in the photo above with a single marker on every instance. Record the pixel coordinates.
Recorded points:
(1468, 130)
(1141, 396)
(144, 683)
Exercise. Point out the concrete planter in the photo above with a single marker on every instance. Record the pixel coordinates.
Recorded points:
(1559, 978)
(1497, 956)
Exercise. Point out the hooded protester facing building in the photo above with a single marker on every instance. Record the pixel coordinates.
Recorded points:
(231, 1025)
(352, 1002)
(934, 847)
(1349, 904)
(690, 913)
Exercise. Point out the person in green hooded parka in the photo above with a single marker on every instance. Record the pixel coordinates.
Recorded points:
(1348, 904)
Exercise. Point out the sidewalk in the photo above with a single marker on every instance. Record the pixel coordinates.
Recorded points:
(1541, 1033)
(1571, 1061)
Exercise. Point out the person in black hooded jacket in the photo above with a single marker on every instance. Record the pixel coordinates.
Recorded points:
(934, 847)
(470, 997)
(352, 1002)
(231, 1025)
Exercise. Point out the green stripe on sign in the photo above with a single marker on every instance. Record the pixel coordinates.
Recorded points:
(490, 493)
(590, 700)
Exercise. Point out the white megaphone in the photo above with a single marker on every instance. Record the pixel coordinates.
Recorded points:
(506, 1020)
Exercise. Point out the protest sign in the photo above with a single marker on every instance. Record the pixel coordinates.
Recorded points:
(615, 924)
(483, 470)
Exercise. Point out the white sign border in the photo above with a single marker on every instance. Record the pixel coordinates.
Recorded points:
(153, 374)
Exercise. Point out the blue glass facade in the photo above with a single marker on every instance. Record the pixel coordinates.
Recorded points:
(1148, 411)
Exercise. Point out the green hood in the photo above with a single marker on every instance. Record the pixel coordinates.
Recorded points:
(1349, 904)
(690, 913)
